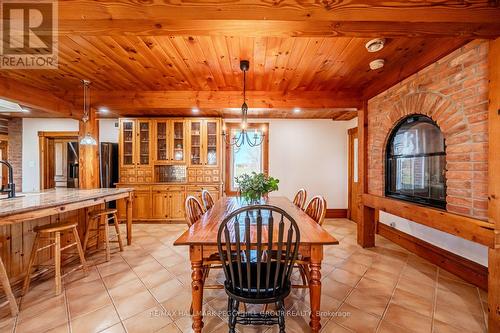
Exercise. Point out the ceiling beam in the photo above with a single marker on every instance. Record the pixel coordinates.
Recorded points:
(119, 101)
(38, 99)
(466, 19)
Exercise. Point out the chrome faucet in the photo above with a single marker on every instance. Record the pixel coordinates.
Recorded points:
(11, 187)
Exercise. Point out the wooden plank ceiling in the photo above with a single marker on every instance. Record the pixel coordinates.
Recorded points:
(212, 63)
(323, 70)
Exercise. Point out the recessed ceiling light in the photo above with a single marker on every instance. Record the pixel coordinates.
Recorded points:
(195, 110)
(296, 110)
(375, 45)
(377, 64)
(103, 109)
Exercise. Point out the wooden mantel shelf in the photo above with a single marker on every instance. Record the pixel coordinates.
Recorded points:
(50, 202)
(462, 226)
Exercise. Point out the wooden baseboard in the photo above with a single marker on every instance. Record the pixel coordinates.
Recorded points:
(466, 269)
(337, 213)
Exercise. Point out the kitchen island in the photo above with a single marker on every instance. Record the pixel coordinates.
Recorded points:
(19, 215)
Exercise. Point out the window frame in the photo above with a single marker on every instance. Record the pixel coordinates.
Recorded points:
(435, 203)
(228, 150)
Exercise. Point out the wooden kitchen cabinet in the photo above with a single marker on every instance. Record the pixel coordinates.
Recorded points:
(168, 203)
(169, 139)
(135, 151)
(204, 143)
(164, 159)
(141, 209)
(176, 209)
(159, 201)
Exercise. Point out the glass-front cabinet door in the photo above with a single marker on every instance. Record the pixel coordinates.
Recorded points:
(195, 130)
(144, 142)
(178, 145)
(128, 145)
(162, 141)
(211, 137)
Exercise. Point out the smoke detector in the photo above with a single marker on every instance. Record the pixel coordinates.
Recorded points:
(377, 64)
(375, 45)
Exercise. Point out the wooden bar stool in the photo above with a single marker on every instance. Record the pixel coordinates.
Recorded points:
(4, 280)
(99, 220)
(52, 232)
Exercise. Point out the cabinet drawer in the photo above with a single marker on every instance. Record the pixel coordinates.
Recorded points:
(164, 188)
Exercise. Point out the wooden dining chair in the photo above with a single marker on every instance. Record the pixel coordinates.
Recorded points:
(208, 200)
(194, 211)
(300, 198)
(316, 209)
(245, 239)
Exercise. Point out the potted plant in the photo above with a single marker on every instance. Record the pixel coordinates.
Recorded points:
(255, 186)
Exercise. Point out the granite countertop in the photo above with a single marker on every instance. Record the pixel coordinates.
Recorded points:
(26, 202)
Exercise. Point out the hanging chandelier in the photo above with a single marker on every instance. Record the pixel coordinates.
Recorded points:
(252, 140)
(87, 140)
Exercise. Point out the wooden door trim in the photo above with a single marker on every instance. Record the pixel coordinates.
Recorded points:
(227, 155)
(59, 135)
(351, 132)
(43, 137)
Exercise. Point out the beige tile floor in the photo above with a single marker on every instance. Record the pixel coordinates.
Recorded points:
(146, 288)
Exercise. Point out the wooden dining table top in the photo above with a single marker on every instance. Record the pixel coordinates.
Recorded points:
(204, 232)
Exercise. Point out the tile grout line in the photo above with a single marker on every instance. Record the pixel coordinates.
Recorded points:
(434, 303)
(149, 291)
(482, 308)
(111, 298)
(392, 295)
(349, 294)
(68, 313)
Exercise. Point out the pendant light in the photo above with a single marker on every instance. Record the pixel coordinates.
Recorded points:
(87, 140)
(244, 136)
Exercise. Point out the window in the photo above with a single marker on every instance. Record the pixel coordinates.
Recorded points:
(415, 164)
(245, 159)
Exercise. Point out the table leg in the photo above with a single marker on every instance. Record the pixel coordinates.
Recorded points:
(315, 287)
(197, 294)
(129, 218)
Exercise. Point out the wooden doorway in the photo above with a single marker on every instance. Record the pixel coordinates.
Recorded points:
(57, 153)
(353, 189)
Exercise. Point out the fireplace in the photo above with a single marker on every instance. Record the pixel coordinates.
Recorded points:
(415, 162)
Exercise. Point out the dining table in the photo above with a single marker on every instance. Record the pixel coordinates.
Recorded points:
(201, 237)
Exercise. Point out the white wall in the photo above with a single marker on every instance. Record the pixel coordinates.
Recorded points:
(31, 157)
(462, 247)
(309, 153)
(108, 130)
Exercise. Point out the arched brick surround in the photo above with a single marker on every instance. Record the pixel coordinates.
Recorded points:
(458, 104)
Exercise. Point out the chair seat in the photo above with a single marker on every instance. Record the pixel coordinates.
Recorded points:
(269, 295)
(100, 212)
(55, 227)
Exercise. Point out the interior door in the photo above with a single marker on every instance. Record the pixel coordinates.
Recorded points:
(353, 200)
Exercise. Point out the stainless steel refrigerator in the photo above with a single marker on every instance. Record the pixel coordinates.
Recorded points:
(108, 156)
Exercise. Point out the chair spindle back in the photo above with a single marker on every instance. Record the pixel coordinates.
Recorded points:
(300, 198)
(258, 245)
(316, 209)
(194, 211)
(208, 200)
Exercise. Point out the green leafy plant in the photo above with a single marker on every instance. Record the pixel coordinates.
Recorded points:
(254, 186)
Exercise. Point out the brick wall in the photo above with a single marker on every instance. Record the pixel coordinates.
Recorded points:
(454, 93)
(16, 150)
